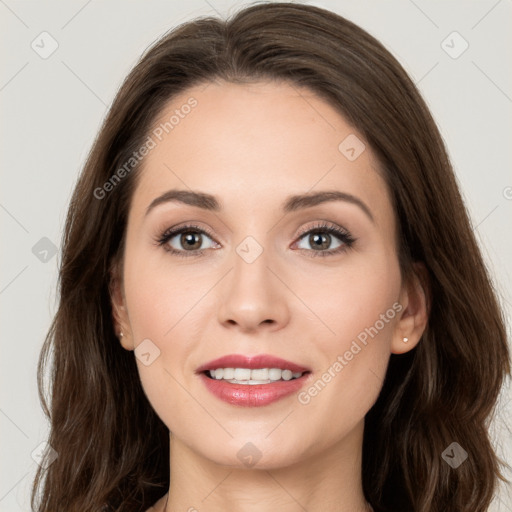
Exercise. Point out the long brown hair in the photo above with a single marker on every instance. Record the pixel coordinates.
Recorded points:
(113, 450)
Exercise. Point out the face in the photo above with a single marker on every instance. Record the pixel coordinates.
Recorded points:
(316, 284)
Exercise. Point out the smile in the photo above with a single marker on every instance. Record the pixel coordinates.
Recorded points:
(252, 381)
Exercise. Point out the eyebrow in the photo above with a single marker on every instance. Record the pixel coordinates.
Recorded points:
(291, 204)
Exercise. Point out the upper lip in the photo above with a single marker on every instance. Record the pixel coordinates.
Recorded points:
(252, 362)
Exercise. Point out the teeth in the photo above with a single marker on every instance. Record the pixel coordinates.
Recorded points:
(255, 376)
(276, 374)
(240, 373)
(249, 382)
(259, 374)
(228, 373)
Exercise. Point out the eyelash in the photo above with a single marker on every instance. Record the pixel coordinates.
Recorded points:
(344, 236)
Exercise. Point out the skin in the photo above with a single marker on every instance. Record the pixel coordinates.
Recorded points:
(252, 146)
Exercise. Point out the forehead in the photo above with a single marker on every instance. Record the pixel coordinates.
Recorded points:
(254, 144)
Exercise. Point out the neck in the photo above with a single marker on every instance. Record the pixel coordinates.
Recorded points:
(328, 481)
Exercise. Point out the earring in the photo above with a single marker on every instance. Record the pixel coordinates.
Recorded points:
(406, 340)
(121, 334)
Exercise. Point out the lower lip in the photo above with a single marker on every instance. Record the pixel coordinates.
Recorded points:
(256, 395)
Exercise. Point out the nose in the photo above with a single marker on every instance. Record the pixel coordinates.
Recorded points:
(252, 297)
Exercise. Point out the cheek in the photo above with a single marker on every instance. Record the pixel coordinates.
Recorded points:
(164, 305)
(159, 295)
(343, 303)
(360, 307)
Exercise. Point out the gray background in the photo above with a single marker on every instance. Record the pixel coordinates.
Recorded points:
(52, 109)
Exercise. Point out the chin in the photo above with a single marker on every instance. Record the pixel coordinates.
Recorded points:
(256, 452)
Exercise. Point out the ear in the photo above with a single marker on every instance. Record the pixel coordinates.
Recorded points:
(119, 311)
(413, 318)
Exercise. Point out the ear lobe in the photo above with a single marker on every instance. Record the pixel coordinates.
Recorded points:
(415, 297)
(119, 312)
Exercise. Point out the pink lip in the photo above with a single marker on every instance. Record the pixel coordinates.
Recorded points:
(248, 395)
(256, 361)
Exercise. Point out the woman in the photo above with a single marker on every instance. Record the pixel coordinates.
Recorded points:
(204, 357)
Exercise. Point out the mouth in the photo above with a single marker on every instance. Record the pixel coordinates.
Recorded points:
(252, 380)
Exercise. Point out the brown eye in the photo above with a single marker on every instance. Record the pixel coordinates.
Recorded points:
(186, 239)
(191, 240)
(319, 241)
(322, 240)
